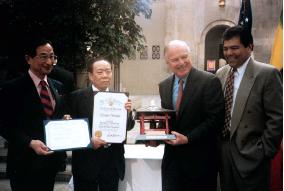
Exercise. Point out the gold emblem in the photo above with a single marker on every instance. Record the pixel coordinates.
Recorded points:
(98, 134)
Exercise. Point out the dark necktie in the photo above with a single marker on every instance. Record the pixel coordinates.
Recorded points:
(228, 103)
(179, 97)
(45, 99)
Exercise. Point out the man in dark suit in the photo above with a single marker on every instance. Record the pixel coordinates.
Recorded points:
(101, 166)
(189, 161)
(30, 164)
(253, 128)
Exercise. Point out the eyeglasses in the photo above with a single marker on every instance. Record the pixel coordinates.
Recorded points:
(45, 57)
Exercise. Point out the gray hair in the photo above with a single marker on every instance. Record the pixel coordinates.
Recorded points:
(176, 43)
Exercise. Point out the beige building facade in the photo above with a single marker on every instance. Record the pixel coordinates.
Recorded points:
(200, 23)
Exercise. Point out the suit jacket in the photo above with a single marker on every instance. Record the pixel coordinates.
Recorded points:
(200, 116)
(23, 117)
(257, 119)
(86, 163)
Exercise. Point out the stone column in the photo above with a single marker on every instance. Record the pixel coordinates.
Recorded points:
(171, 21)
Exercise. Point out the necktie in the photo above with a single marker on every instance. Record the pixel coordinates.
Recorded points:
(179, 97)
(228, 103)
(45, 99)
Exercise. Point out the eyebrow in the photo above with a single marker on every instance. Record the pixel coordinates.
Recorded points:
(233, 46)
(42, 53)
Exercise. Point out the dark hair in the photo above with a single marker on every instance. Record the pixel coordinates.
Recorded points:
(91, 63)
(238, 31)
(33, 43)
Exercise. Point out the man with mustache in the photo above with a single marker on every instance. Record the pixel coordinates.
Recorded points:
(190, 161)
(253, 118)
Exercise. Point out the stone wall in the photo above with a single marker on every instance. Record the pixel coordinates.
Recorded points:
(190, 20)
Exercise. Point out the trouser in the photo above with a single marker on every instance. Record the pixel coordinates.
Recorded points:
(230, 179)
(176, 178)
(43, 181)
(107, 180)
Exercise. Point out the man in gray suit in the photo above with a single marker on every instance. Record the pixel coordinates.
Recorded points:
(253, 121)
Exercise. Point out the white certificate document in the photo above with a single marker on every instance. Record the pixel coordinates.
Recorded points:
(67, 134)
(110, 116)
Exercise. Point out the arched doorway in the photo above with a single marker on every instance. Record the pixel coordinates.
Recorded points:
(214, 48)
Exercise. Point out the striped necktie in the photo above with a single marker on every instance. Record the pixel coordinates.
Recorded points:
(45, 99)
(228, 103)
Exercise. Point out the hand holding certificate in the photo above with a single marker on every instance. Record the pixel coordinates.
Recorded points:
(67, 134)
(110, 116)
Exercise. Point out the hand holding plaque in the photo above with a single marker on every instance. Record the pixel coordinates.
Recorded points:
(110, 116)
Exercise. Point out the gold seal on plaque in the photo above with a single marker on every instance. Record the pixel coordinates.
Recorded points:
(98, 134)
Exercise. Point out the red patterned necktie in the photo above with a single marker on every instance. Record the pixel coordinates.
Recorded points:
(179, 97)
(228, 103)
(45, 99)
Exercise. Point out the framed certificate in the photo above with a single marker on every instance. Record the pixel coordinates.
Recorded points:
(110, 116)
(67, 134)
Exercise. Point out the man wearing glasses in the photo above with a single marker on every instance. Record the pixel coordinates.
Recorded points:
(26, 102)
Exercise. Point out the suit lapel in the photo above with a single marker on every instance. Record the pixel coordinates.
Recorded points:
(56, 96)
(188, 90)
(223, 77)
(168, 93)
(170, 97)
(32, 95)
(88, 97)
(242, 96)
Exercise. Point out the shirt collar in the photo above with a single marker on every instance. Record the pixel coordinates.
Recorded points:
(242, 68)
(95, 89)
(183, 79)
(35, 79)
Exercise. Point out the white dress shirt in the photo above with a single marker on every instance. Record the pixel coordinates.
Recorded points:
(238, 76)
